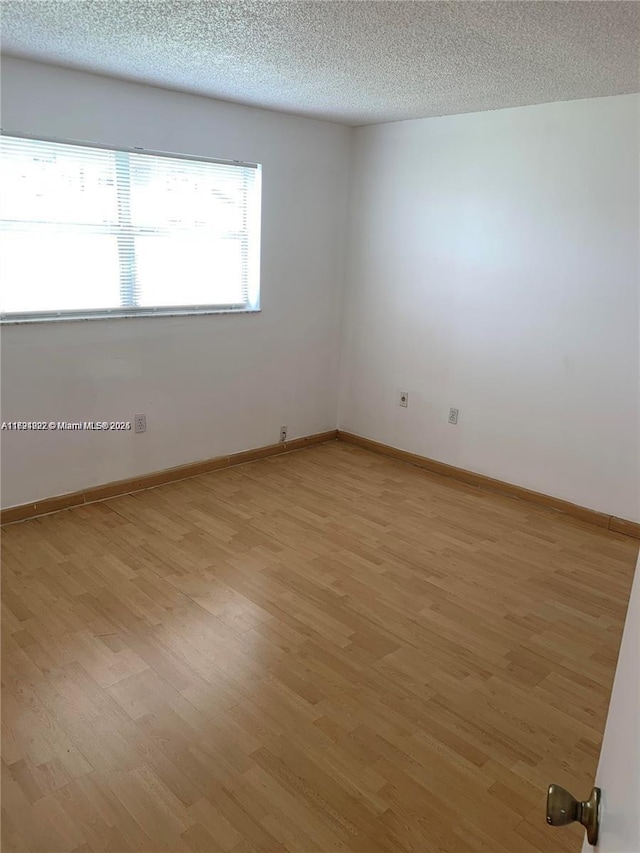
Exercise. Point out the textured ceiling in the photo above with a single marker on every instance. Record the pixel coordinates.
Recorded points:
(354, 62)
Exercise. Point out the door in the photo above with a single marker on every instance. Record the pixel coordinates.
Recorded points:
(619, 769)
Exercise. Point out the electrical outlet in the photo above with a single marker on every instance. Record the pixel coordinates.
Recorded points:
(140, 423)
(453, 416)
(283, 433)
(403, 399)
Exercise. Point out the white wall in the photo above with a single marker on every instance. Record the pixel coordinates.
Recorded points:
(208, 385)
(493, 266)
(619, 768)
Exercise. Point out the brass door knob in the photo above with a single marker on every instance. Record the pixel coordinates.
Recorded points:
(563, 808)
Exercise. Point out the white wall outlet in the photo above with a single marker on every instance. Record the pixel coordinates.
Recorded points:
(403, 399)
(140, 423)
(453, 416)
(283, 433)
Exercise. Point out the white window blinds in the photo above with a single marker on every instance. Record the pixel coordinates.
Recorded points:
(91, 231)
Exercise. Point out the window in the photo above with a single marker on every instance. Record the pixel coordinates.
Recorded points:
(88, 231)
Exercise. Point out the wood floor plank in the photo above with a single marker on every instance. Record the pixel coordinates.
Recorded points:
(327, 650)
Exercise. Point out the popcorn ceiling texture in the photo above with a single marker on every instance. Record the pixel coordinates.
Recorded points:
(351, 62)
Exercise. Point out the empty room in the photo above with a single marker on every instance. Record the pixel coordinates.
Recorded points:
(320, 446)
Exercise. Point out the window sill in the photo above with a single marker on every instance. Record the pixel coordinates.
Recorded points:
(75, 318)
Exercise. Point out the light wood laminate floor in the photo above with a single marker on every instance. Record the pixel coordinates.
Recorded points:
(324, 651)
